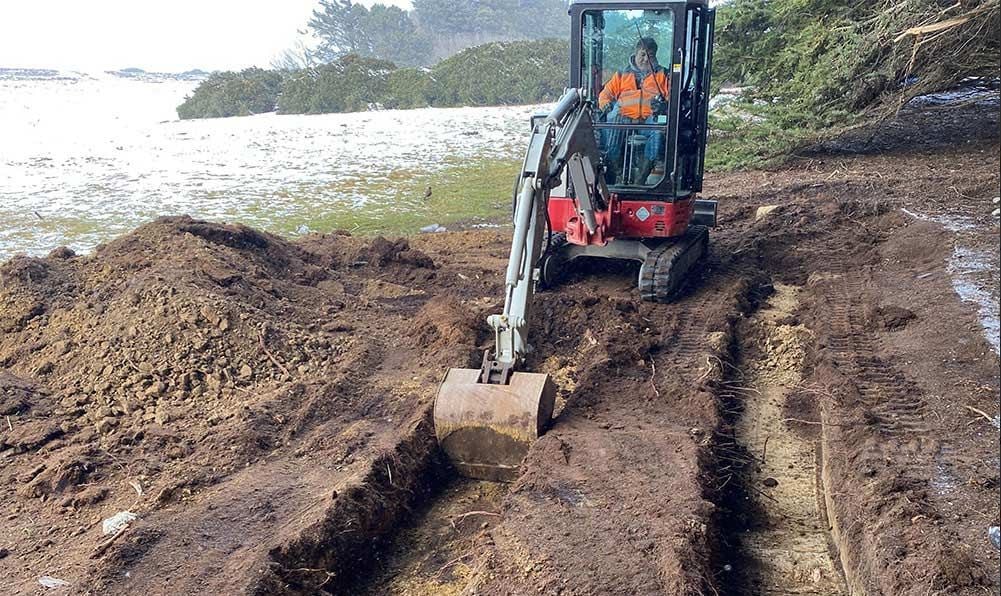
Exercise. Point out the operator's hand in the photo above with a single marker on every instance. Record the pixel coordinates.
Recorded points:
(658, 105)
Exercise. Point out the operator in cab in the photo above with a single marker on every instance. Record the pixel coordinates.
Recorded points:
(636, 95)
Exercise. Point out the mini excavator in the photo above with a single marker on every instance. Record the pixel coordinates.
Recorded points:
(605, 175)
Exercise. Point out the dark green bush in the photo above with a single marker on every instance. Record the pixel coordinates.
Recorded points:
(350, 84)
(409, 88)
(501, 73)
(250, 91)
(514, 72)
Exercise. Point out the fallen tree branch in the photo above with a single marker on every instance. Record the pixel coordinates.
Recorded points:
(987, 416)
(104, 546)
(264, 347)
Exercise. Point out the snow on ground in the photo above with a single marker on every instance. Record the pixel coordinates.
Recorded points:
(968, 267)
(83, 160)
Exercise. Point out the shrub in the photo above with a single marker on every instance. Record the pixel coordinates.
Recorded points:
(514, 72)
(409, 88)
(250, 91)
(349, 84)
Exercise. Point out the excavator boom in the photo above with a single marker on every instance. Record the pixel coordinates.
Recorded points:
(486, 419)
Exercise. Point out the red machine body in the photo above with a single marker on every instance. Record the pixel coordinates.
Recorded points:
(634, 219)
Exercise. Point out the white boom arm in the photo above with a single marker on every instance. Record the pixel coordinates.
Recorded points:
(564, 139)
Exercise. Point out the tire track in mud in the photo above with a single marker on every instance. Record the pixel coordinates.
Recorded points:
(875, 426)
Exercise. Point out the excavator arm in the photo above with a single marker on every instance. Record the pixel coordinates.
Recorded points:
(486, 419)
(563, 141)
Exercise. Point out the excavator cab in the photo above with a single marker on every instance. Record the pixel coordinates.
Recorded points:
(645, 67)
(612, 171)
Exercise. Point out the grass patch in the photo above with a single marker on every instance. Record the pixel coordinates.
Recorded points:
(386, 203)
(461, 192)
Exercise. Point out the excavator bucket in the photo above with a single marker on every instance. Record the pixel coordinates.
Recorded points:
(486, 429)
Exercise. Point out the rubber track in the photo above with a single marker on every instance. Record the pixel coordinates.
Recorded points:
(670, 264)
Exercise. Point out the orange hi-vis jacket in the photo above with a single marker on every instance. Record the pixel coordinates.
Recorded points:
(633, 102)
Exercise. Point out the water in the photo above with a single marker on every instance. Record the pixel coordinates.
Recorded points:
(84, 158)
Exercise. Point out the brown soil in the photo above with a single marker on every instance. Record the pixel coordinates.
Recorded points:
(263, 407)
(786, 544)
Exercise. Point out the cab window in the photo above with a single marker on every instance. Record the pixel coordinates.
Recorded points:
(623, 75)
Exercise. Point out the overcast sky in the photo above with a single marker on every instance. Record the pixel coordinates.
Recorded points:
(160, 35)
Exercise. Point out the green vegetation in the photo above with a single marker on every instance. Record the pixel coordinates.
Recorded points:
(749, 137)
(251, 91)
(409, 88)
(351, 84)
(516, 72)
(810, 68)
(466, 191)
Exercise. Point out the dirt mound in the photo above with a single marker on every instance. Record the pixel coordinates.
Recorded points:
(169, 323)
(446, 328)
(263, 406)
(178, 355)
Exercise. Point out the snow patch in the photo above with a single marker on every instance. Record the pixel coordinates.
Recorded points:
(964, 266)
(88, 159)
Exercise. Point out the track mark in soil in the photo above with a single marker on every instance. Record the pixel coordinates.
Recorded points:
(785, 545)
(896, 405)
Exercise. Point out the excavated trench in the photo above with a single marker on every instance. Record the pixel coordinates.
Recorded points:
(775, 529)
(412, 526)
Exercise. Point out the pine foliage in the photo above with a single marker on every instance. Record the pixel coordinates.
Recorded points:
(826, 62)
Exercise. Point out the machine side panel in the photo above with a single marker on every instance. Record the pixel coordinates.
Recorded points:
(623, 219)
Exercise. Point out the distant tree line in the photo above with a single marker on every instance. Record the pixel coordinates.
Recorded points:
(432, 30)
(497, 73)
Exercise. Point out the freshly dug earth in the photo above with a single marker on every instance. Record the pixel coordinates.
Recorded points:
(262, 405)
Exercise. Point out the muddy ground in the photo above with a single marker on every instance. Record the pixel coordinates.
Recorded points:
(810, 417)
